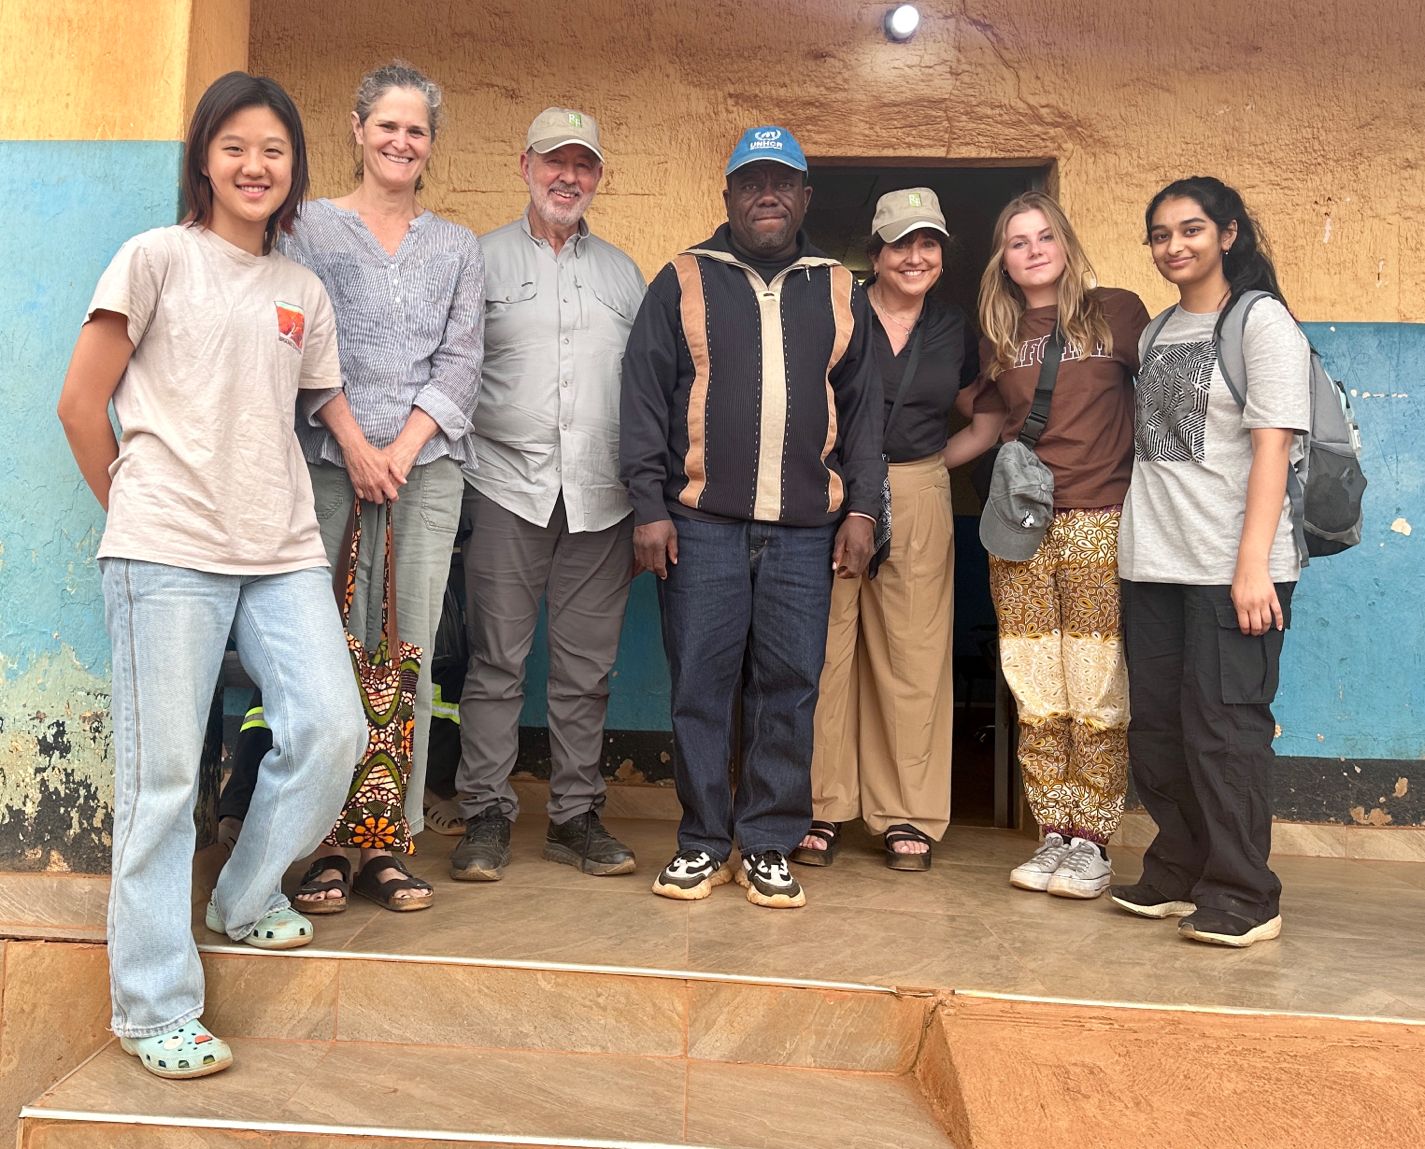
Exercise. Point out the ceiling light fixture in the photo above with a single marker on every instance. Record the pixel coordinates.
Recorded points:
(901, 22)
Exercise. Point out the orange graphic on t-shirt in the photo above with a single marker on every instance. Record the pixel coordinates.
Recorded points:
(291, 322)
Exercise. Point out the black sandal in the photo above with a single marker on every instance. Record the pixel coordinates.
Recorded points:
(305, 900)
(907, 833)
(384, 893)
(809, 855)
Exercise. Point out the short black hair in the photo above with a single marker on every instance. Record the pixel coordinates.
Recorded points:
(875, 245)
(225, 97)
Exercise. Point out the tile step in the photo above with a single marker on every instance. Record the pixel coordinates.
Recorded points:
(345, 1095)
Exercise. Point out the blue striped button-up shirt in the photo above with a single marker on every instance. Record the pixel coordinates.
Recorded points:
(410, 326)
(555, 326)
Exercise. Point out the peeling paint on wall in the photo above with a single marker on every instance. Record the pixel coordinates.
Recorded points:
(56, 772)
(69, 205)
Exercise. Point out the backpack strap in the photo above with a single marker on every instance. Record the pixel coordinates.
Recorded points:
(1230, 337)
(1232, 359)
(1154, 329)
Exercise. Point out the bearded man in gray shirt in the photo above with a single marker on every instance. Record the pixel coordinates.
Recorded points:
(547, 512)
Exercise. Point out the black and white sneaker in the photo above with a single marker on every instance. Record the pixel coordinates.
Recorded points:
(1149, 902)
(769, 881)
(1222, 928)
(691, 875)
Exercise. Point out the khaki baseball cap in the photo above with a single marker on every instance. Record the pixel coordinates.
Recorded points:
(899, 213)
(555, 127)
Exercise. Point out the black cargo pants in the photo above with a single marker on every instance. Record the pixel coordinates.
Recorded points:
(1200, 742)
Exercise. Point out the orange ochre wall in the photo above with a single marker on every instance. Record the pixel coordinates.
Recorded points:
(1314, 109)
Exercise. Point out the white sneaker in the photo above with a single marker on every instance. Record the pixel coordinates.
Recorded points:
(1035, 873)
(1084, 872)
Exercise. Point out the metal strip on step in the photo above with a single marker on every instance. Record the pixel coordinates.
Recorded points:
(37, 1113)
(1166, 1007)
(559, 967)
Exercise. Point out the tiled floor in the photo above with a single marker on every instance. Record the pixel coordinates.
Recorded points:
(596, 1099)
(1351, 943)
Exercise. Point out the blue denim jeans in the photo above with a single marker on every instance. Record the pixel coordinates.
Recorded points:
(168, 627)
(745, 608)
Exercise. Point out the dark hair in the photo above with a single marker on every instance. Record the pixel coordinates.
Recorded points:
(397, 74)
(875, 245)
(1248, 265)
(225, 97)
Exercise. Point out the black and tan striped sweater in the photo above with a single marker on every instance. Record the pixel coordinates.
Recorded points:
(750, 400)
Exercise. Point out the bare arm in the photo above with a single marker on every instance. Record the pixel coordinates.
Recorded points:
(1253, 593)
(367, 467)
(973, 440)
(100, 357)
(419, 430)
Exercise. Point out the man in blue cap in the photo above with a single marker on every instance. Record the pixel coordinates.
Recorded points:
(750, 442)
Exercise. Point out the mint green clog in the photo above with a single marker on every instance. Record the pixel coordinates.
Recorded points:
(283, 929)
(187, 1052)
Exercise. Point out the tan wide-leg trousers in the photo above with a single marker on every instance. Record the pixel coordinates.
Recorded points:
(883, 718)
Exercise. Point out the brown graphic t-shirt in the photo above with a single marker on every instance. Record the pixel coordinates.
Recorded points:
(1088, 442)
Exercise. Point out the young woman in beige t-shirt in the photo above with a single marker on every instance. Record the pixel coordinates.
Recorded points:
(204, 337)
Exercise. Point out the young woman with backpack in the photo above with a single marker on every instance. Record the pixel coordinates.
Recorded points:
(1058, 615)
(1208, 559)
(209, 343)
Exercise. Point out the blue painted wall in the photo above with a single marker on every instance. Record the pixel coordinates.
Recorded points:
(69, 205)
(1352, 675)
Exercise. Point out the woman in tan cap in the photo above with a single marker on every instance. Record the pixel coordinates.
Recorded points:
(882, 749)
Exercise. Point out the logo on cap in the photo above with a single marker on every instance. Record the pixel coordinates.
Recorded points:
(1028, 521)
(769, 134)
(914, 199)
(576, 120)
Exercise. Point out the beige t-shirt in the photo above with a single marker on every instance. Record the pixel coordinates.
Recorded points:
(210, 475)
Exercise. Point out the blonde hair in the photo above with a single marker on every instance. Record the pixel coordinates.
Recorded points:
(1002, 302)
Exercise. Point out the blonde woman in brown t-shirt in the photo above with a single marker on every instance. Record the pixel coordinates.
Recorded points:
(1059, 639)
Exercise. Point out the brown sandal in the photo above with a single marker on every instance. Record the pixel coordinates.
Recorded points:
(384, 893)
(312, 884)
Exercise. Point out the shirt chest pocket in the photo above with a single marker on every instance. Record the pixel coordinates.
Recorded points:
(501, 299)
(610, 316)
(434, 279)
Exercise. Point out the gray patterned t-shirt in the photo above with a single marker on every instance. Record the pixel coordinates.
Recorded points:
(1192, 447)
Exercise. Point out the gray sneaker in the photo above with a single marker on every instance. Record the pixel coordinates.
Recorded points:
(1083, 873)
(1035, 873)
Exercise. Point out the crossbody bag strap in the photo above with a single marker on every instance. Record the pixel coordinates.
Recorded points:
(1038, 417)
(911, 363)
(388, 591)
(343, 576)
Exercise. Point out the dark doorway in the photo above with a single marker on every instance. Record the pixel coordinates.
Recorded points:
(984, 784)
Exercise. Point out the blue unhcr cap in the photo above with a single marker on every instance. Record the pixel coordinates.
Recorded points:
(768, 142)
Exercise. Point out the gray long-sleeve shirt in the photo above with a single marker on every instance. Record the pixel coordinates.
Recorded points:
(555, 326)
(410, 326)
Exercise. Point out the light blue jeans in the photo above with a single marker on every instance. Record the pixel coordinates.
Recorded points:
(168, 627)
